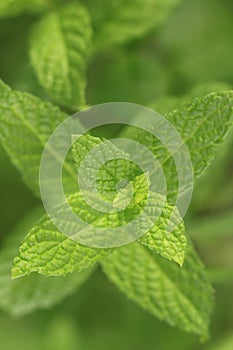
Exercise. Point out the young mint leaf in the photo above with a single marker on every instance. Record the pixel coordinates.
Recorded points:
(116, 22)
(182, 297)
(11, 8)
(170, 245)
(58, 48)
(26, 123)
(202, 123)
(111, 172)
(49, 252)
(207, 194)
(22, 296)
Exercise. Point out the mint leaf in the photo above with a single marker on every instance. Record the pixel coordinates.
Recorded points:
(182, 297)
(22, 296)
(49, 252)
(111, 172)
(119, 21)
(171, 245)
(58, 48)
(26, 123)
(202, 123)
(10, 8)
(208, 194)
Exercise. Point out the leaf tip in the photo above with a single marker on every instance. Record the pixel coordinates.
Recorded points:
(179, 259)
(16, 273)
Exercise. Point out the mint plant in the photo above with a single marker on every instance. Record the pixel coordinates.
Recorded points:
(161, 271)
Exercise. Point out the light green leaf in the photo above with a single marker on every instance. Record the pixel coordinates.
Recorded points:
(111, 172)
(21, 296)
(171, 245)
(214, 193)
(26, 123)
(202, 123)
(119, 21)
(11, 8)
(58, 48)
(182, 297)
(207, 193)
(49, 252)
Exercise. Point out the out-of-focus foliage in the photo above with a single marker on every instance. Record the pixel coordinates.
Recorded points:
(200, 46)
(10, 8)
(119, 21)
(58, 49)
